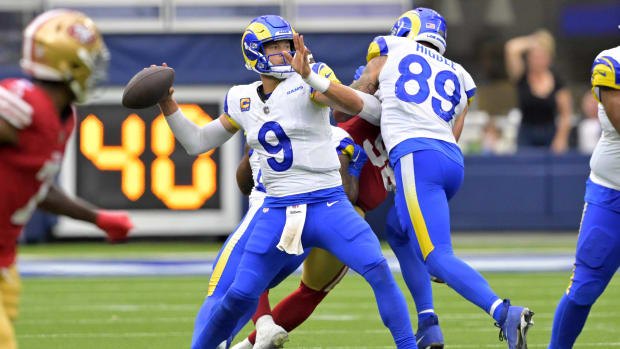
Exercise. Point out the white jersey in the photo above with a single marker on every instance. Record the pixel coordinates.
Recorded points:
(605, 161)
(422, 91)
(339, 137)
(290, 132)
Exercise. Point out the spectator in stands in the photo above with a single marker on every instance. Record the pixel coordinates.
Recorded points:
(541, 92)
(589, 128)
(491, 138)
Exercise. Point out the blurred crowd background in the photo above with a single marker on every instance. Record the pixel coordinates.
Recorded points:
(529, 131)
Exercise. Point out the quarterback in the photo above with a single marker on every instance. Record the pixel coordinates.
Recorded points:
(286, 122)
(320, 267)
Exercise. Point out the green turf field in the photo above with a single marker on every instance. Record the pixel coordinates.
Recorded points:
(154, 313)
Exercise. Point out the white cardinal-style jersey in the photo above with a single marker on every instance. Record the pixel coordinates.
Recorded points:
(290, 132)
(605, 161)
(422, 91)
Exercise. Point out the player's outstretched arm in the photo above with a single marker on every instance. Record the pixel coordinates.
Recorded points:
(367, 83)
(116, 224)
(337, 96)
(245, 182)
(610, 98)
(195, 139)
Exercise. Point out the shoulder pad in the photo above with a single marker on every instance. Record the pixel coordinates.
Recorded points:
(378, 47)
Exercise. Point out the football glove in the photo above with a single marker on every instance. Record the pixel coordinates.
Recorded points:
(358, 160)
(116, 224)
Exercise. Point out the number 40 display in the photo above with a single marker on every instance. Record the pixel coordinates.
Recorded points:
(125, 158)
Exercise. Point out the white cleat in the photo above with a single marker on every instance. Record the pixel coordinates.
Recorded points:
(221, 346)
(241, 345)
(269, 337)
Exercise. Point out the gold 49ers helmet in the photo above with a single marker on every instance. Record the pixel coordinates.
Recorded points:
(65, 45)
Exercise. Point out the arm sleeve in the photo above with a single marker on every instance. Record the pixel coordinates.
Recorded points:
(197, 140)
(371, 111)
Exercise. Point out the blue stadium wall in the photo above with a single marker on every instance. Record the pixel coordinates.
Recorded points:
(216, 59)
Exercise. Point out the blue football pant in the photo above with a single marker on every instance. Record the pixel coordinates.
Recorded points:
(425, 181)
(597, 260)
(336, 228)
(225, 268)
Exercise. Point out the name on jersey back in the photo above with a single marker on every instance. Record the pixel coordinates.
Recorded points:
(434, 55)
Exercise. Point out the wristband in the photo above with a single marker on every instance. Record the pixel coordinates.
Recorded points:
(317, 82)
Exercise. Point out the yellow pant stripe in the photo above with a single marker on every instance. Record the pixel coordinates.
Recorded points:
(230, 245)
(407, 175)
(572, 276)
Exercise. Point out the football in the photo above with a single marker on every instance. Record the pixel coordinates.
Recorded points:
(148, 87)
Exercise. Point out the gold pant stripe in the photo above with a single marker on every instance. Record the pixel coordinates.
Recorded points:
(230, 245)
(407, 175)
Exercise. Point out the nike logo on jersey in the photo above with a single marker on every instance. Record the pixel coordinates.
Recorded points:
(356, 157)
(330, 204)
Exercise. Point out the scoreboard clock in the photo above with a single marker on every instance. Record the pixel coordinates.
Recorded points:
(123, 159)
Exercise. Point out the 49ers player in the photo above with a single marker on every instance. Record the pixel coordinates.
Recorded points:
(64, 54)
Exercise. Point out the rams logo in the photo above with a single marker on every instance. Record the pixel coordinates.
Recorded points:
(244, 104)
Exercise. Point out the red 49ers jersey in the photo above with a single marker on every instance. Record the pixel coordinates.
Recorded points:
(28, 168)
(377, 176)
